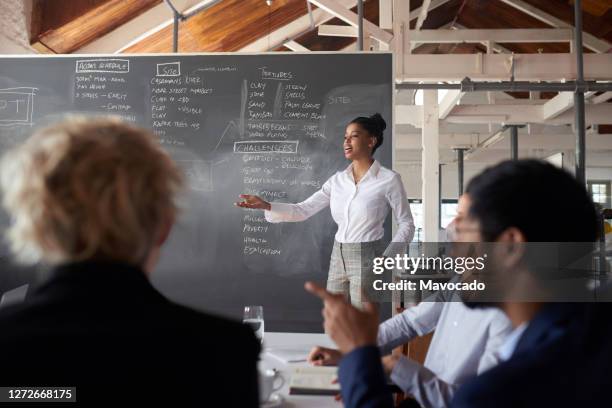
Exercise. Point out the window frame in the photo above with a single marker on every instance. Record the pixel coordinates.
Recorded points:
(607, 184)
(443, 201)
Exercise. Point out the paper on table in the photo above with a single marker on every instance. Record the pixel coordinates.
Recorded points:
(286, 355)
(314, 381)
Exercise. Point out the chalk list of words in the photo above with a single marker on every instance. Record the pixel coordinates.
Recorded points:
(279, 117)
(100, 86)
(279, 123)
(177, 103)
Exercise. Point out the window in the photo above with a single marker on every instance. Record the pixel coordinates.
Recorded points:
(600, 192)
(448, 211)
(416, 207)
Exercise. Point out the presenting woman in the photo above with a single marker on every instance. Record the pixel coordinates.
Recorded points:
(359, 197)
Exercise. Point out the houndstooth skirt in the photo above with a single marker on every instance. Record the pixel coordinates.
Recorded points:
(350, 268)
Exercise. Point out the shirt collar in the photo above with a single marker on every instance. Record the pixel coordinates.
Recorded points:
(507, 349)
(373, 170)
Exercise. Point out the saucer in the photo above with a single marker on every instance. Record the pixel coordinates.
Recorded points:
(276, 400)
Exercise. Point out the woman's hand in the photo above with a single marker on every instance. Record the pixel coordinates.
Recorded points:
(323, 356)
(253, 201)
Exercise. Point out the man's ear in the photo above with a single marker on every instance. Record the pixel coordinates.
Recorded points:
(512, 235)
(512, 242)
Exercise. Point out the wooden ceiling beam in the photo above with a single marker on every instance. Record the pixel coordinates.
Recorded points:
(229, 26)
(604, 97)
(492, 67)
(448, 103)
(346, 15)
(512, 35)
(557, 105)
(94, 23)
(295, 46)
(293, 29)
(590, 41)
(385, 14)
(503, 114)
(422, 14)
(139, 28)
(332, 30)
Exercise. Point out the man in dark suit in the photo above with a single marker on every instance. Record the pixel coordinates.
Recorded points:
(562, 361)
(544, 355)
(510, 207)
(94, 200)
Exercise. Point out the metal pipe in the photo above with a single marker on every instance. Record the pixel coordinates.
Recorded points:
(460, 169)
(580, 137)
(579, 97)
(360, 25)
(176, 18)
(169, 4)
(603, 264)
(439, 195)
(513, 142)
(175, 31)
(578, 40)
(509, 86)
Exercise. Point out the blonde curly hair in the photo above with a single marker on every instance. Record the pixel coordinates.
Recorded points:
(88, 188)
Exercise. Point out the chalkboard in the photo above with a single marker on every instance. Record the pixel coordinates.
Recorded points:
(270, 125)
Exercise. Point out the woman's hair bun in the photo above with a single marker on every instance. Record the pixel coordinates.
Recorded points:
(375, 125)
(379, 121)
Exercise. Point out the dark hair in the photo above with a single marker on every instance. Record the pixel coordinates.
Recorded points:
(374, 125)
(545, 203)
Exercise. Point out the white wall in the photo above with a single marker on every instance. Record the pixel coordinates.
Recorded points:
(599, 173)
(15, 26)
(411, 176)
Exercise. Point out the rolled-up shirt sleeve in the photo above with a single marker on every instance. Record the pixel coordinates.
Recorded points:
(412, 377)
(413, 322)
(285, 212)
(398, 200)
(423, 384)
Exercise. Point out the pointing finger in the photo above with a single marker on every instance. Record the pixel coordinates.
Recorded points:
(318, 291)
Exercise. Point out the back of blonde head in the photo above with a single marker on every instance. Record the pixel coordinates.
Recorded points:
(88, 188)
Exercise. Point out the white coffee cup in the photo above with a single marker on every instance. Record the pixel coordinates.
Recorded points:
(269, 382)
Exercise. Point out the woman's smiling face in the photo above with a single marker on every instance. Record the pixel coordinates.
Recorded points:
(358, 143)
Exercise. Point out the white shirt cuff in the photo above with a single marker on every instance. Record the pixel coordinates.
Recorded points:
(405, 373)
(278, 212)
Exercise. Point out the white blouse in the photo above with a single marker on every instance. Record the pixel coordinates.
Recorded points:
(358, 209)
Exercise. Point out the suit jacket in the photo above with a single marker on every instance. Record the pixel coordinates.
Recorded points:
(103, 328)
(561, 360)
(362, 380)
